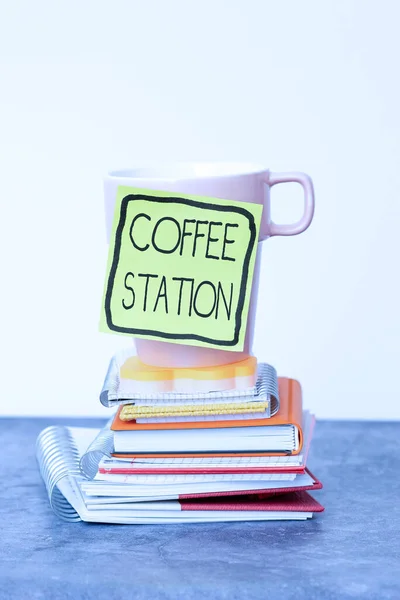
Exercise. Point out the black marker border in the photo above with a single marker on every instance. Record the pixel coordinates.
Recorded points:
(114, 265)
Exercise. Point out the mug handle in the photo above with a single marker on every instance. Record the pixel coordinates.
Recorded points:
(307, 185)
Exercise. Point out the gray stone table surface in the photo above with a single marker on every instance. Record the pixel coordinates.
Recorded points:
(352, 550)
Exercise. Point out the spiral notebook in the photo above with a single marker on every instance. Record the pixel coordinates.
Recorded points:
(266, 391)
(161, 500)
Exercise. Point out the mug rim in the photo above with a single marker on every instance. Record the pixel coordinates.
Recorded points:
(167, 171)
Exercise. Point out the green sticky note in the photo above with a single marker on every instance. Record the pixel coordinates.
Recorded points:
(180, 268)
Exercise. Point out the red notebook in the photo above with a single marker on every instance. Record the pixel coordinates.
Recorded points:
(298, 501)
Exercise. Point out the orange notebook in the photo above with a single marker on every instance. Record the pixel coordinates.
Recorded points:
(290, 413)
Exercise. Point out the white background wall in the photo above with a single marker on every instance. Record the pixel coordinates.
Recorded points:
(313, 86)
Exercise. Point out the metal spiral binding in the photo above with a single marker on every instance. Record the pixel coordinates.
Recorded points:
(109, 392)
(101, 447)
(267, 386)
(58, 457)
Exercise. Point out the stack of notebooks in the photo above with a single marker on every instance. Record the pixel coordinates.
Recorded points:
(186, 445)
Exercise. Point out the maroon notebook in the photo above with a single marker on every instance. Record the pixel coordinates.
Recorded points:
(290, 502)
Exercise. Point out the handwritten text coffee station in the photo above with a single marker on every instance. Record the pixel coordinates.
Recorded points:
(174, 235)
(203, 432)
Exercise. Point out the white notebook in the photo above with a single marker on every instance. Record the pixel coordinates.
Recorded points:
(274, 438)
(134, 492)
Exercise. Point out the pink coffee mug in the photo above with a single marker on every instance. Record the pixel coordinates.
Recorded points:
(230, 181)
